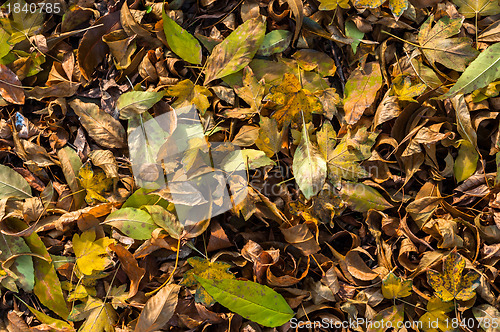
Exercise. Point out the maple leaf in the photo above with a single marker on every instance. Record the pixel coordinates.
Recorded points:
(291, 100)
(450, 284)
(207, 270)
(403, 88)
(332, 4)
(394, 287)
(436, 315)
(472, 8)
(437, 46)
(188, 93)
(95, 183)
(91, 255)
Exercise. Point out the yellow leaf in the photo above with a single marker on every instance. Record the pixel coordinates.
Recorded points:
(332, 4)
(403, 88)
(95, 183)
(435, 318)
(91, 255)
(397, 6)
(207, 270)
(450, 284)
(252, 90)
(101, 316)
(394, 287)
(188, 94)
(291, 100)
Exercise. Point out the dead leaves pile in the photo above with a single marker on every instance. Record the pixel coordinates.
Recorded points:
(230, 165)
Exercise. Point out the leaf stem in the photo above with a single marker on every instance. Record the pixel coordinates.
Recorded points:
(171, 274)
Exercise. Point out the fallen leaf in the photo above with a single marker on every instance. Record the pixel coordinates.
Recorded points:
(91, 254)
(10, 86)
(180, 41)
(236, 51)
(94, 182)
(158, 309)
(450, 284)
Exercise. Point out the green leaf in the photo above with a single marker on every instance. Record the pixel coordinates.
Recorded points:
(309, 166)
(236, 51)
(275, 41)
(205, 269)
(132, 222)
(22, 267)
(352, 31)
(47, 285)
(143, 197)
(55, 324)
(23, 23)
(466, 162)
(180, 41)
(251, 300)
(71, 164)
(360, 197)
(481, 72)
(12, 184)
(136, 102)
(240, 160)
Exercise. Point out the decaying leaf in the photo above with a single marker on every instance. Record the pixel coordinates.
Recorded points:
(450, 284)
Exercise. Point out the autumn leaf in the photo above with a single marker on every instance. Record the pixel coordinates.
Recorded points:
(437, 46)
(361, 90)
(292, 102)
(101, 317)
(332, 4)
(475, 8)
(252, 90)
(394, 315)
(205, 269)
(394, 287)
(450, 284)
(94, 182)
(188, 94)
(309, 166)
(236, 51)
(397, 6)
(91, 254)
(435, 319)
(10, 86)
(180, 41)
(405, 90)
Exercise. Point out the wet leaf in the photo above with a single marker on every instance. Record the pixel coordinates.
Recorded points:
(253, 301)
(236, 51)
(180, 41)
(450, 284)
